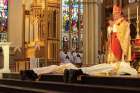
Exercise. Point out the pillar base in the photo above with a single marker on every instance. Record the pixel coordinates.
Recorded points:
(4, 71)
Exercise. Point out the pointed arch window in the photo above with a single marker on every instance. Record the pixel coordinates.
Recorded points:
(72, 22)
(3, 19)
(3, 15)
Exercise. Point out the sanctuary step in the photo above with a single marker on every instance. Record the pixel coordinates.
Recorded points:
(45, 77)
(60, 87)
(16, 89)
(112, 80)
(85, 79)
(13, 75)
(50, 77)
(88, 84)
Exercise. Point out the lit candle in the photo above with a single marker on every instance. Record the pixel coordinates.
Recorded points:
(137, 12)
(128, 14)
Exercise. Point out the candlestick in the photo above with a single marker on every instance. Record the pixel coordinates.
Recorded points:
(137, 22)
(137, 12)
(128, 14)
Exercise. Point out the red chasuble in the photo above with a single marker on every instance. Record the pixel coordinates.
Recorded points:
(115, 46)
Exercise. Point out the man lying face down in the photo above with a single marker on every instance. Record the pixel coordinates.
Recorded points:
(52, 69)
(120, 68)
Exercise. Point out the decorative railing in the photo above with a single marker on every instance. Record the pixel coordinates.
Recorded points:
(3, 37)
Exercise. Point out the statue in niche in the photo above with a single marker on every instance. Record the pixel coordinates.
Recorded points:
(65, 41)
(74, 42)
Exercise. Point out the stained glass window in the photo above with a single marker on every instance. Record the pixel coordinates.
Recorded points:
(3, 15)
(72, 15)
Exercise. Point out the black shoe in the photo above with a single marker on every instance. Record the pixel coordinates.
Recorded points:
(66, 75)
(23, 75)
(31, 75)
(72, 76)
(79, 72)
(28, 75)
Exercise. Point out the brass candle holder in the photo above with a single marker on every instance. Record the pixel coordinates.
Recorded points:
(138, 36)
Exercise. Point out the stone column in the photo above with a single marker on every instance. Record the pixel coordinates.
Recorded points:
(91, 29)
(85, 33)
(5, 47)
(6, 57)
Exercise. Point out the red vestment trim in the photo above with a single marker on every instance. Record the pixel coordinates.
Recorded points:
(115, 46)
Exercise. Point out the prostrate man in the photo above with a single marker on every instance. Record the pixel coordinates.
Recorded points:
(33, 74)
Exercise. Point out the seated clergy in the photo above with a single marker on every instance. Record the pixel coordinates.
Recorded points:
(65, 56)
(77, 58)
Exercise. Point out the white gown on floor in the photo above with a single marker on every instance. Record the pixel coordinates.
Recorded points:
(119, 68)
(54, 69)
(115, 68)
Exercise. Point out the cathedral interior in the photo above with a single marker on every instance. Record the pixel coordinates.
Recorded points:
(34, 32)
(47, 26)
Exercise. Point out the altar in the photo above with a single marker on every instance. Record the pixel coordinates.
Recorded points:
(5, 47)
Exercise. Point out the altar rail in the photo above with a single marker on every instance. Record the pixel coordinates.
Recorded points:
(29, 63)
